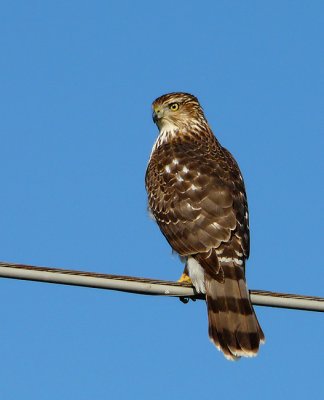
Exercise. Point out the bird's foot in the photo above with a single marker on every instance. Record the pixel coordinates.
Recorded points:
(185, 278)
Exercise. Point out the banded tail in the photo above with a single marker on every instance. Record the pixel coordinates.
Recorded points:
(233, 325)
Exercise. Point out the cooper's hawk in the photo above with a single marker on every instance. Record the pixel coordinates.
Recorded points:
(196, 194)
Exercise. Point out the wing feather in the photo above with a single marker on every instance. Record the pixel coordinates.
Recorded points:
(199, 201)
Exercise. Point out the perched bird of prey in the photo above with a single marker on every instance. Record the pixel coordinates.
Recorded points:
(197, 196)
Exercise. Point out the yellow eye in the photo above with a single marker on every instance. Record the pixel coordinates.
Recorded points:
(174, 106)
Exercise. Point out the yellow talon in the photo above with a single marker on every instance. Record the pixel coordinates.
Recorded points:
(185, 278)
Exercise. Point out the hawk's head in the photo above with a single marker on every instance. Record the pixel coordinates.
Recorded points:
(176, 111)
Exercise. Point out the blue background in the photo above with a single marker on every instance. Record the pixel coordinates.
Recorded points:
(77, 79)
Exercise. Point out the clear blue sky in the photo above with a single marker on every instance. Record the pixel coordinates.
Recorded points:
(77, 79)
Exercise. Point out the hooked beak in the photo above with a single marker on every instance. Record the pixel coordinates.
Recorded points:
(157, 115)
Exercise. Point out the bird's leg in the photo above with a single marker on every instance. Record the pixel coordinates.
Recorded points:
(185, 277)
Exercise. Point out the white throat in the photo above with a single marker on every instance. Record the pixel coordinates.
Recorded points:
(168, 131)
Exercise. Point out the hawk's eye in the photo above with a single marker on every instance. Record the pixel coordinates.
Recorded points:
(174, 106)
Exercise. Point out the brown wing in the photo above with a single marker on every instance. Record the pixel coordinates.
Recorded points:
(197, 195)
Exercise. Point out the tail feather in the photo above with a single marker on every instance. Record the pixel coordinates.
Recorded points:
(233, 325)
(227, 315)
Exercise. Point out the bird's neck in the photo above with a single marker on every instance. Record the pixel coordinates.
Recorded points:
(170, 132)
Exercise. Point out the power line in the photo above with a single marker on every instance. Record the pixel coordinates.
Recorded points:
(148, 286)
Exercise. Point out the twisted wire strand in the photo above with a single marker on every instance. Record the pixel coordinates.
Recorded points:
(148, 286)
